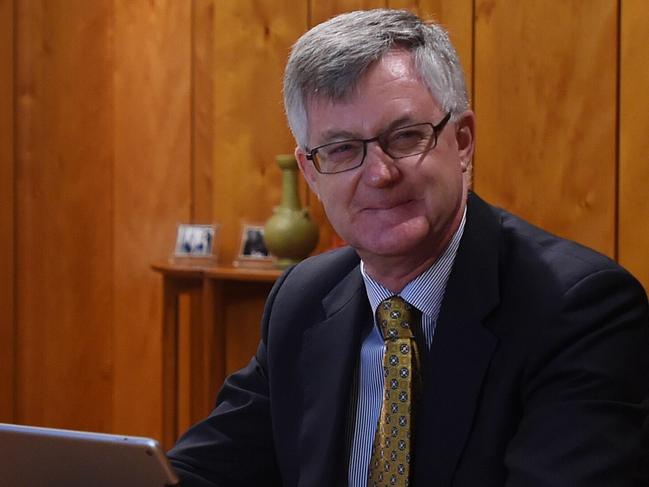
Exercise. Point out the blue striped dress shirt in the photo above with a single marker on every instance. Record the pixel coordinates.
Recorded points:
(425, 292)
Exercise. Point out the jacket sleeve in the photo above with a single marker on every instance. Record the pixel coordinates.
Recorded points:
(585, 394)
(233, 446)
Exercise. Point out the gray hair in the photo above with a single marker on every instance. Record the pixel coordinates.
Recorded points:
(330, 59)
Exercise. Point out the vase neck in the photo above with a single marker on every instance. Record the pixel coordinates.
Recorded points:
(290, 197)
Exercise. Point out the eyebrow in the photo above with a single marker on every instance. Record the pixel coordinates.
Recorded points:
(335, 135)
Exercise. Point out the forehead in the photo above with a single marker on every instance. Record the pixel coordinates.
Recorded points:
(391, 89)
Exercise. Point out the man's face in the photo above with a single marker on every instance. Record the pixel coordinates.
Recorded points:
(391, 208)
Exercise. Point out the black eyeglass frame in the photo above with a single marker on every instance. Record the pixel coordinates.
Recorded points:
(437, 129)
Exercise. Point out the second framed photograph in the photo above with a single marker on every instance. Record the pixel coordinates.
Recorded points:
(252, 249)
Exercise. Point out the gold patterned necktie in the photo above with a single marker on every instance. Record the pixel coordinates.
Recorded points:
(391, 451)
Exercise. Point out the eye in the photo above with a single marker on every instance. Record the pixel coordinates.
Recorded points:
(342, 152)
(407, 139)
(408, 134)
(338, 149)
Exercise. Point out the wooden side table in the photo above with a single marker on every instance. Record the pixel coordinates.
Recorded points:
(207, 287)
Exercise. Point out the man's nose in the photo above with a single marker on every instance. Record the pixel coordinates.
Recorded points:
(380, 169)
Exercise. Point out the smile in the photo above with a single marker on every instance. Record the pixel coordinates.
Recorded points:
(390, 206)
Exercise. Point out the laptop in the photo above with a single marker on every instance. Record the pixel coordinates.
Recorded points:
(40, 457)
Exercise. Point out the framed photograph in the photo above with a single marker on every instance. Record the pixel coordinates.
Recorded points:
(252, 248)
(196, 241)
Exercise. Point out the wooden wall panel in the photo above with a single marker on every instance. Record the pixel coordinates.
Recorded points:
(545, 97)
(64, 213)
(152, 193)
(6, 211)
(634, 142)
(250, 51)
(133, 116)
(202, 104)
(321, 11)
(243, 307)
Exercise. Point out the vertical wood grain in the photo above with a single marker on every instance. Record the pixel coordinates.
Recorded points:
(64, 214)
(202, 104)
(7, 330)
(243, 304)
(321, 11)
(545, 98)
(122, 119)
(633, 243)
(152, 193)
(250, 52)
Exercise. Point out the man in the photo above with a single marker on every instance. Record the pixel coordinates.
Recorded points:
(521, 359)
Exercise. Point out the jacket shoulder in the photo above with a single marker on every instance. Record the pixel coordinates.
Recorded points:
(320, 273)
(567, 260)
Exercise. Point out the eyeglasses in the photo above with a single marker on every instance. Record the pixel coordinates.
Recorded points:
(397, 143)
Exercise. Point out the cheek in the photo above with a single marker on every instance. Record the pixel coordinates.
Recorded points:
(443, 186)
(336, 197)
(332, 201)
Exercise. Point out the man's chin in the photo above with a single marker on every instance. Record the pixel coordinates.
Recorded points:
(387, 250)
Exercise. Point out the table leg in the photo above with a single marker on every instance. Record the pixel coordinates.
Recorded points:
(169, 361)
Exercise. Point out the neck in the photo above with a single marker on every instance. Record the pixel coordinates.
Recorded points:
(394, 273)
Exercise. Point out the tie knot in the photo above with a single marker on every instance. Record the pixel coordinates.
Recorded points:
(396, 318)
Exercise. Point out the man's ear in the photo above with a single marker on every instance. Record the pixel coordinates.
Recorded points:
(309, 172)
(465, 138)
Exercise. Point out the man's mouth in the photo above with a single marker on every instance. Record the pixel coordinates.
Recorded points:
(388, 205)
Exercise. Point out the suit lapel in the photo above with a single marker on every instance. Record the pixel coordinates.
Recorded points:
(328, 360)
(461, 350)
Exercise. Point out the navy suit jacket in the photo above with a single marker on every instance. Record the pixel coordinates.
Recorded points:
(538, 373)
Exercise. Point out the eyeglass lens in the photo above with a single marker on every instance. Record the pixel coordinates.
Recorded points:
(397, 143)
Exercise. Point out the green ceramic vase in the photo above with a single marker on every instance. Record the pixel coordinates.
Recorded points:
(290, 234)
